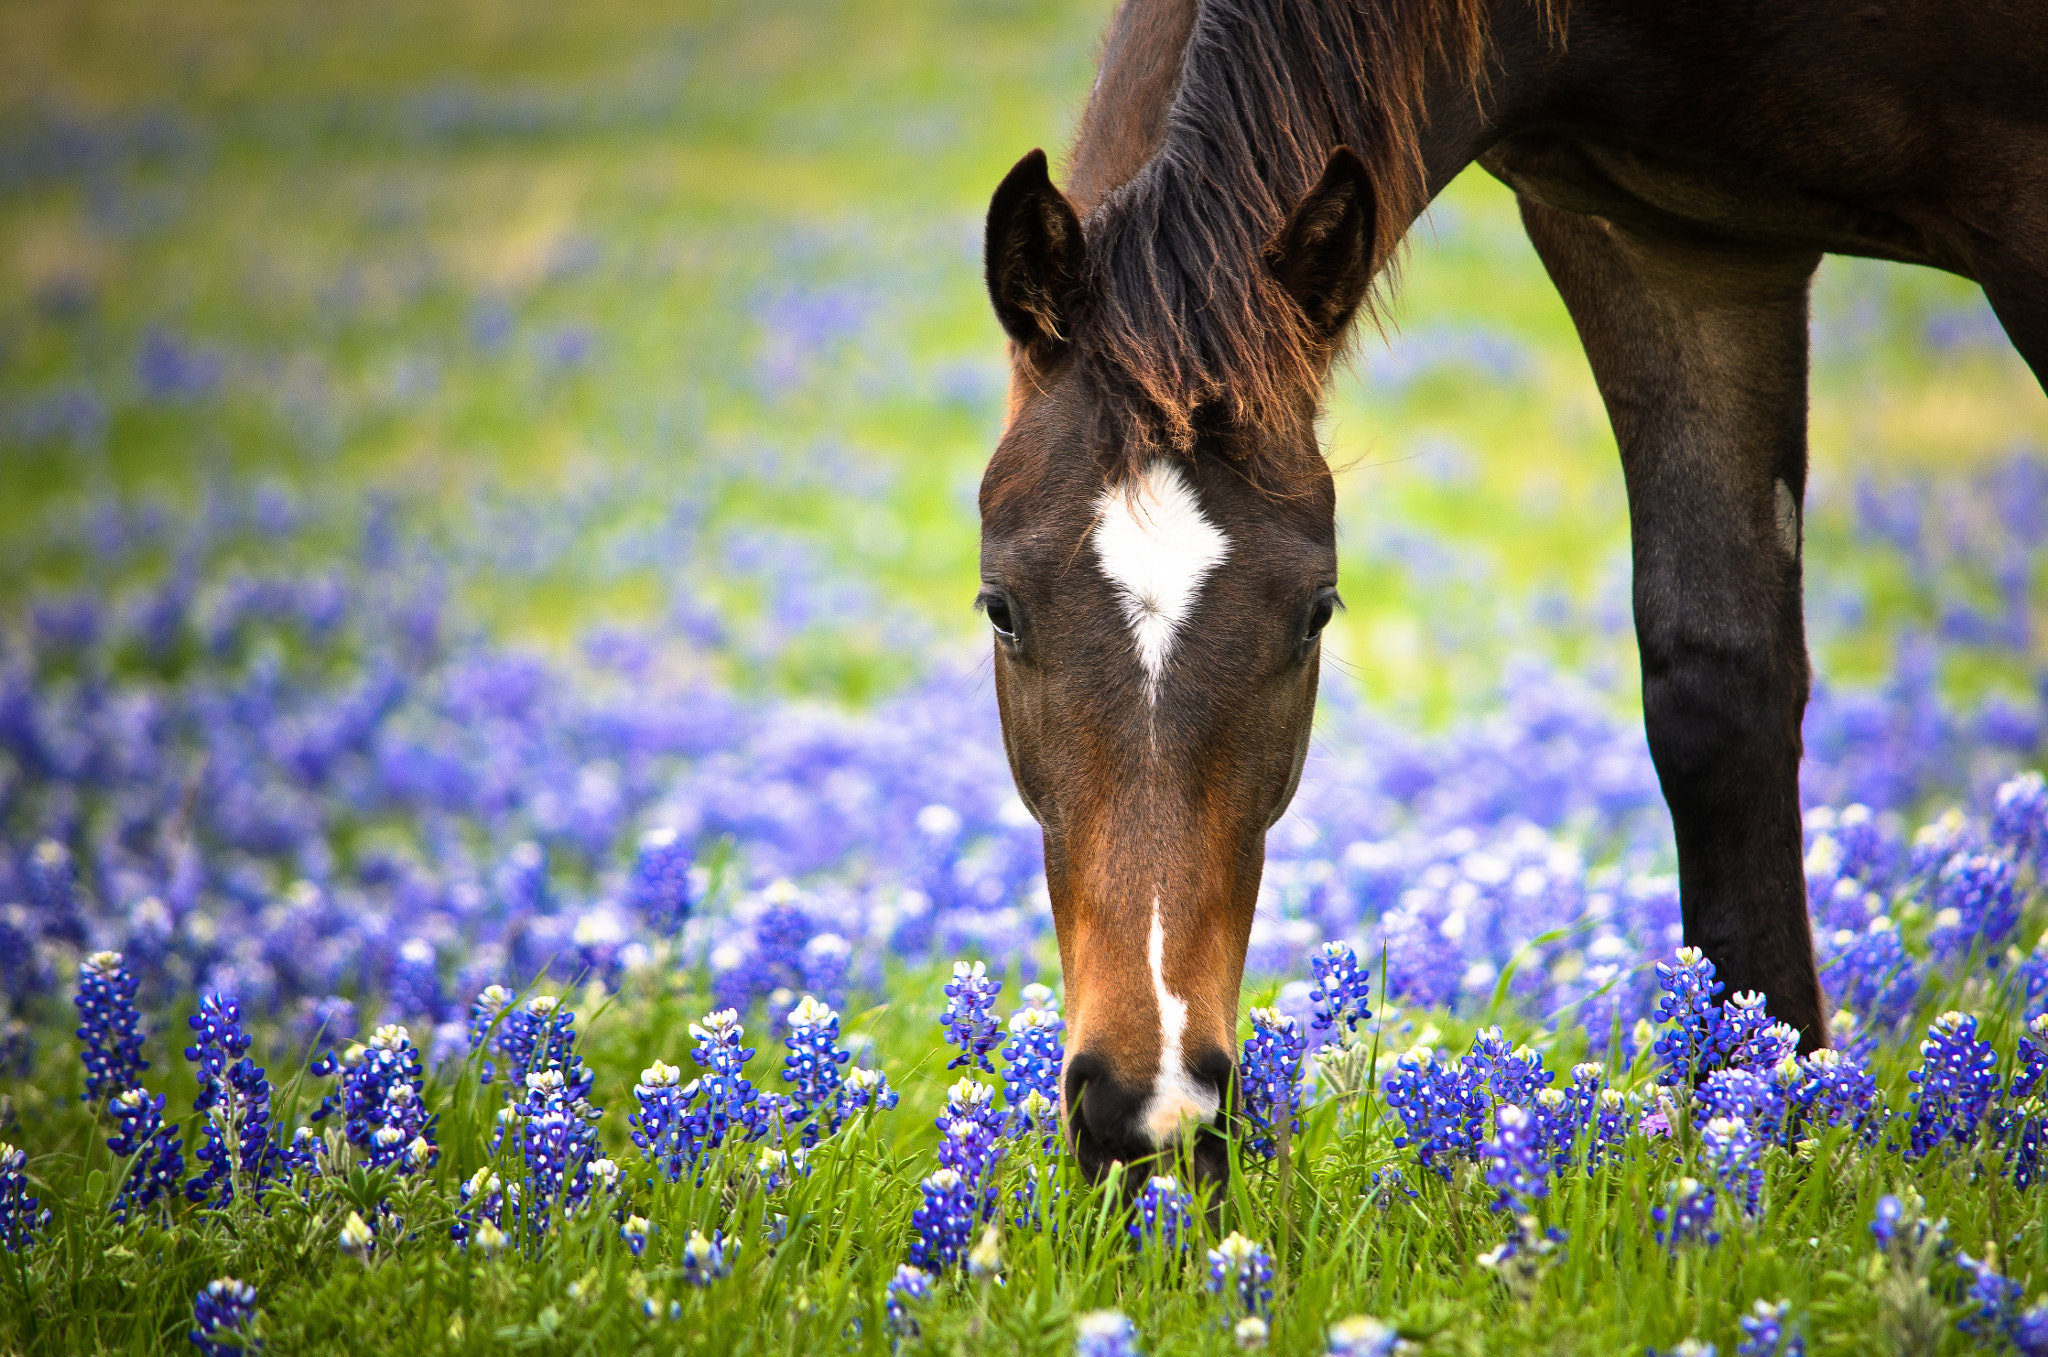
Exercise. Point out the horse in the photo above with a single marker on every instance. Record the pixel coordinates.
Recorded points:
(1158, 541)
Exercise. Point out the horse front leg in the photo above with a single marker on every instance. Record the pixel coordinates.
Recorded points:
(1700, 352)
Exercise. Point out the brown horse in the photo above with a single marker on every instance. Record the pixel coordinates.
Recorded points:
(1157, 523)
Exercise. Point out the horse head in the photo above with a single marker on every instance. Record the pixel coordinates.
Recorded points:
(1157, 578)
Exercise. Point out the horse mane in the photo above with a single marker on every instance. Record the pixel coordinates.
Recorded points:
(1186, 323)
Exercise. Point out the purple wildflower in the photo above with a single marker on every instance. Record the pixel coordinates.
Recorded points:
(223, 1315)
(1031, 1066)
(1516, 1163)
(1442, 1109)
(1165, 1214)
(1763, 1332)
(1730, 1151)
(1956, 1083)
(1105, 1333)
(944, 1222)
(708, 1258)
(235, 1096)
(910, 1286)
(379, 1100)
(1343, 990)
(20, 1217)
(970, 1019)
(812, 1067)
(1975, 908)
(110, 1031)
(1242, 1270)
(660, 887)
(157, 1147)
(1687, 1004)
(2019, 818)
(1688, 1215)
(1269, 1079)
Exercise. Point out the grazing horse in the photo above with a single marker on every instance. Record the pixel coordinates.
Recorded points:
(1157, 521)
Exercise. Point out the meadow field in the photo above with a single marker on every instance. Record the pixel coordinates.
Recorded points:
(501, 803)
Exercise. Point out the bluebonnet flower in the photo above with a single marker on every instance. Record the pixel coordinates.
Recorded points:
(660, 888)
(1746, 1038)
(1975, 908)
(1763, 1332)
(1938, 841)
(487, 1025)
(1269, 1079)
(1613, 1119)
(910, 1286)
(1687, 1004)
(707, 1259)
(1756, 1099)
(19, 1217)
(1885, 1221)
(235, 1096)
(1031, 1066)
(1870, 973)
(1165, 1214)
(2022, 1130)
(379, 1100)
(1361, 1336)
(971, 1100)
(1516, 1164)
(864, 1089)
(1442, 1109)
(1343, 990)
(812, 1067)
(2028, 1330)
(2019, 818)
(944, 1222)
(1730, 1151)
(489, 1206)
(1956, 1083)
(1995, 1297)
(1687, 1216)
(1835, 1088)
(634, 1230)
(1251, 1333)
(730, 1104)
(158, 1148)
(970, 1019)
(538, 1036)
(1514, 1074)
(1242, 1270)
(110, 1031)
(558, 1149)
(223, 1317)
(2033, 1058)
(413, 984)
(661, 1128)
(357, 1238)
(1105, 1333)
(777, 1167)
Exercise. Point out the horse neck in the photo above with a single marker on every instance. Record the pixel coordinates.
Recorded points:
(1131, 109)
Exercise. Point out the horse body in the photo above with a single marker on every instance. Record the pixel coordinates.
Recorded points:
(1157, 520)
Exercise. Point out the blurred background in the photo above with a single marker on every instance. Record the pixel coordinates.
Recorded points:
(424, 428)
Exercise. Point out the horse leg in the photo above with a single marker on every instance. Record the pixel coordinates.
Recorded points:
(1700, 352)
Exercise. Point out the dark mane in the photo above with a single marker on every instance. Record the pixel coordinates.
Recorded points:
(1185, 318)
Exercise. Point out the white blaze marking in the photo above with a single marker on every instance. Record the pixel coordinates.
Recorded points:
(1175, 1097)
(1156, 546)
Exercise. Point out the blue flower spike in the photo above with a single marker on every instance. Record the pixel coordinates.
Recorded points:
(224, 1317)
(970, 1019)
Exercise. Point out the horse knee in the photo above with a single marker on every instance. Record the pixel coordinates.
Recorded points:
(1723, 715)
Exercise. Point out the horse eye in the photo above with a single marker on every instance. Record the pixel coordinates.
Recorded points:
(1319, 615)
(998, 610)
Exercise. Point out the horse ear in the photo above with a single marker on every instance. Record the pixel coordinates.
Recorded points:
(1323, 255)
(1033, 258)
